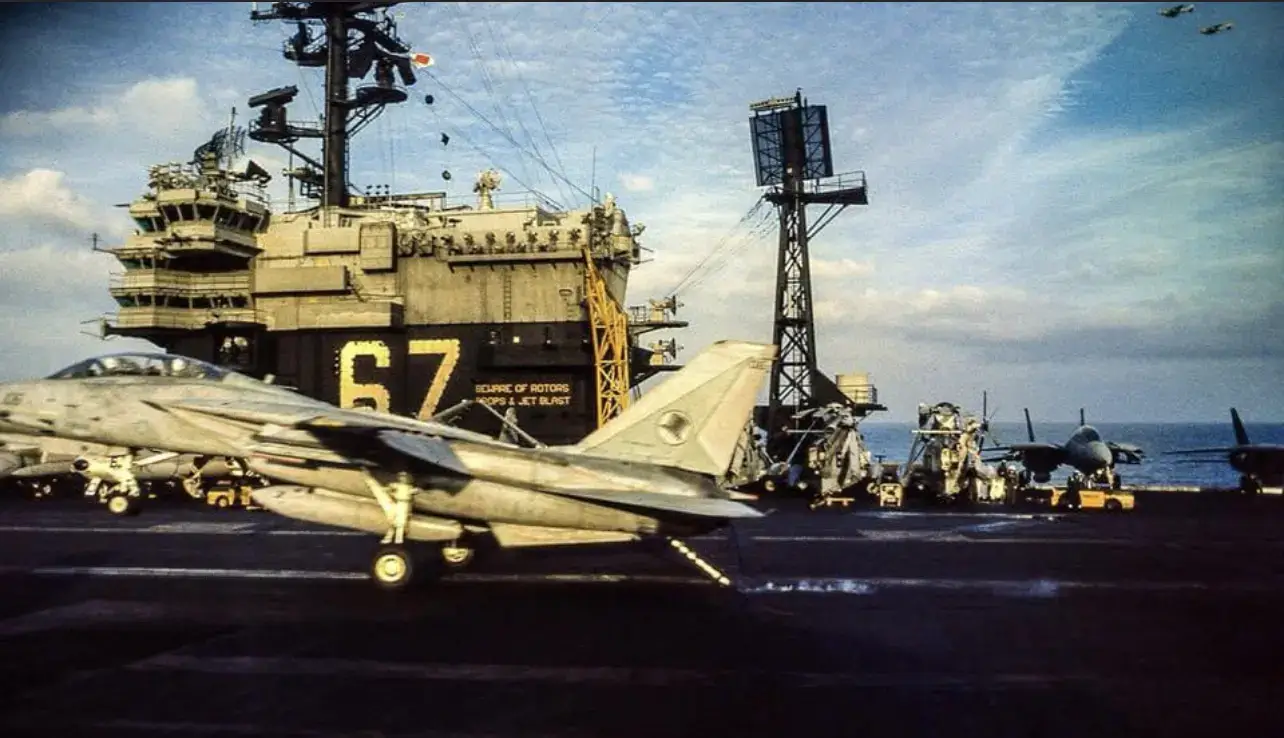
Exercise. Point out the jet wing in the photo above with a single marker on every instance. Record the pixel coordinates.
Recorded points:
(1224, 450)
(1126, 453)
(701, 507)
(310, 414)
(414, 438)
(1017, 448)
(433, 451)
(1023, 447)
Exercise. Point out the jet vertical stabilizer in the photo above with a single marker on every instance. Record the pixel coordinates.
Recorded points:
(694, 419)
(1241, 435)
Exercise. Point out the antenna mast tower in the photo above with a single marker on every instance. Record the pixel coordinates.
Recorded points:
(348, 39)
(792, 156)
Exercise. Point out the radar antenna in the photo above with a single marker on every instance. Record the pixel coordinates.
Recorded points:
(349, 40)
(792, 156)
(223, 147)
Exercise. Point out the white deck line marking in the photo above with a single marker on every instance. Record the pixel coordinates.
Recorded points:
(865, 537)
(1038, 588)
(1031, 588)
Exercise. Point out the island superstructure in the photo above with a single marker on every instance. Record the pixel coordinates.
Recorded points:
(404, 302)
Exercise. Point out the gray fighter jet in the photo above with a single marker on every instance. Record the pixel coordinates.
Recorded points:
(1217, 28)
(112, 476)
(1177, 10)
(1258, 463)
(1085, 452)
(653, 471)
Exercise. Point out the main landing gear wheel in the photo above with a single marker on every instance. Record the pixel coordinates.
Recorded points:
(1249, 485)
(122, 504)
(456, 557)
(392, 568)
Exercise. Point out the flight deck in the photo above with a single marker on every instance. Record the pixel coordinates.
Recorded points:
(194, 621)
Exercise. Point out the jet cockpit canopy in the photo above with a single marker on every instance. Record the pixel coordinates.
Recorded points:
(1088, 434)
(143, 365)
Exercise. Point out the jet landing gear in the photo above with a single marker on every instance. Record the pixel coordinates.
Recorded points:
(1109, 478)
(121, 504)
(393, 567)
(456, 557)
(112, 481)
(1071, 499)
(1250, 485)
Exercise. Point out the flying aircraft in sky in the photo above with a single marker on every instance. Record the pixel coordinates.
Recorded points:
(1085, 451)
(1258, 463)
(653, 471)
(1217, 28)
(1177, 10)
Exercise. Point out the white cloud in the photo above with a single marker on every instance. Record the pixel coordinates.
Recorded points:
(76, 273)
(637, 182)
(49, 298)
(40, 196)
(151, 107)
(839, 268)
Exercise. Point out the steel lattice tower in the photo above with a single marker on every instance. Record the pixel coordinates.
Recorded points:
(792, 156)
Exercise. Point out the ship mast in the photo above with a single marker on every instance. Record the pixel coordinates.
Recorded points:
(336, 121)
(353, 40)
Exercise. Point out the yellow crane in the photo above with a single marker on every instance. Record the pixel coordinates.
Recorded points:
(610, 328)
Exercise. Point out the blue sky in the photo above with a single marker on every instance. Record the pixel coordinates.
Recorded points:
(1071, 204)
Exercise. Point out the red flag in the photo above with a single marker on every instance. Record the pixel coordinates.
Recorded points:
(420, 59)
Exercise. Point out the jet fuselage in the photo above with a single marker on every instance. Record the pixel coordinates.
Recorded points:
(503, 483)
(1264, 462)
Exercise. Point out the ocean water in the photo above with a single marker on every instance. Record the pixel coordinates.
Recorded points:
(893, 440)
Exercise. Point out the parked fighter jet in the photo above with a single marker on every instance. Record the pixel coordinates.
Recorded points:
(1177, 10)
(1084, 451)
(654, 470)
(42, 460)
(113, 476)
(1218, 28)
(1258, 463)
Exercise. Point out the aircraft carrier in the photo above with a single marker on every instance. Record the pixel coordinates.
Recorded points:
(404, 302)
